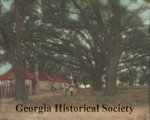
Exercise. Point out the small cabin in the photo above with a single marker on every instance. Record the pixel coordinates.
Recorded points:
(47, 81)
(7, 83)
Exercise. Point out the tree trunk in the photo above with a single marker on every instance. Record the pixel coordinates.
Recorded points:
(97, 81)
(97, 85)
(111, 79)
(19, 63)
(114, 48)
(20, 90)
(131, 82)
(36, 74)
(111, 72)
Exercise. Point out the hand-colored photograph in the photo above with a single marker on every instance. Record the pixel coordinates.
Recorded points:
(74, 59)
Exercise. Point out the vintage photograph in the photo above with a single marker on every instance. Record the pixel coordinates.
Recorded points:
(74, 59)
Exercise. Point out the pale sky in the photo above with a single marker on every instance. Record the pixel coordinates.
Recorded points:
(5, 68)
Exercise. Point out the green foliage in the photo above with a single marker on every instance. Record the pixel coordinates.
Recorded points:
(81, 35)
(128, 76)
(123, 77)
(144, 76)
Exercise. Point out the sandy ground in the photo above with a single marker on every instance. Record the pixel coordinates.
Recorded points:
(8, 111)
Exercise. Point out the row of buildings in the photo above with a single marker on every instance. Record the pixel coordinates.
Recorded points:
(45, 82)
